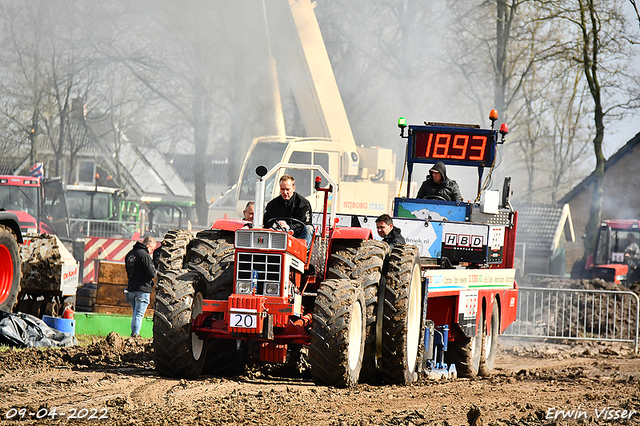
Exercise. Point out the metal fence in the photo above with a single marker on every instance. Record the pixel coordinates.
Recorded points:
(573, 314)
(102, 228)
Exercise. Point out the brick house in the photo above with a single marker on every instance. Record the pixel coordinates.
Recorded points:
(621, 195)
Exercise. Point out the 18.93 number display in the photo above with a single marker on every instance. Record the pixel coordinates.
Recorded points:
(453, 146)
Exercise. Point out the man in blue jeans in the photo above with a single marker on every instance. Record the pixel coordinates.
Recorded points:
(140, 272)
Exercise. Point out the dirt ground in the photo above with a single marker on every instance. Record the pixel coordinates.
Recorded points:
(113, 381)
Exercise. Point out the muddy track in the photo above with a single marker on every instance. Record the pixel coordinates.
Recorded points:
(116, 377)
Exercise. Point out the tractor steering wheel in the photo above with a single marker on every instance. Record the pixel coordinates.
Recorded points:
(275, 223)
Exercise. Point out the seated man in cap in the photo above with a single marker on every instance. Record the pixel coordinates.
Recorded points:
(437, 186)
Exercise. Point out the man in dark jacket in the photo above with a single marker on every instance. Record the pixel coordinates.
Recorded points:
(438, 185)
(389, 233)
(290, 204)
(140, 272)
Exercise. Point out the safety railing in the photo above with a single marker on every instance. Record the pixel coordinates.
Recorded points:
(102, 228)
(577, 314)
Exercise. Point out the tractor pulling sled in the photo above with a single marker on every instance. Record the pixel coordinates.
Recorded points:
(357, 311)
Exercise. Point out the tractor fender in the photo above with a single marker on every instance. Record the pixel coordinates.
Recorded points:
(352, 234)
(228, 224)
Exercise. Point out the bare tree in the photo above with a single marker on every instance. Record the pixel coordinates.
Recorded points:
(599, 44)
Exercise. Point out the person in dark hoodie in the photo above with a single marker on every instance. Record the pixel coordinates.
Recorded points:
(437, 185)
(389, 233)
(140, 272)
(290, 204)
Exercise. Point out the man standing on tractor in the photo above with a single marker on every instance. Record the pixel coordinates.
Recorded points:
(290, 205)
(438, 186)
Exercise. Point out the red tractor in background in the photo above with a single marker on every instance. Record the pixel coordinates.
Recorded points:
(614, 260)
(48, 273)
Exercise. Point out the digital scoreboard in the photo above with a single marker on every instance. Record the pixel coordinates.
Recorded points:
(452, 145)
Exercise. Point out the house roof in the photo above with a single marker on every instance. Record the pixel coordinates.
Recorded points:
(217, 171)
(8, 165)
(540, 226)
(626, 149)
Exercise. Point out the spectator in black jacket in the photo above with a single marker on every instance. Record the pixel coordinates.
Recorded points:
(290, 204)
(389, 233)
(140, 272)
(438, 185)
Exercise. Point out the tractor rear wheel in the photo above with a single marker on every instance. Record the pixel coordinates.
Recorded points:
(402, 329)
(490, 342)
(173, 250)
(9, 269)
(362, 261)
(465, 352)
(178, 352)
(337, 333)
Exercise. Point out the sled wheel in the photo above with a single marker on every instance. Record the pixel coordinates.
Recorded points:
(490, 342)
(465, 352)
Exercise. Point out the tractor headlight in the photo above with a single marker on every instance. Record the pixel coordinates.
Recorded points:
(243, 287)
(272, 289)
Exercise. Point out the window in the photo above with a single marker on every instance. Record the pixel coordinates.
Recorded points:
(302, 177)
(86, 171)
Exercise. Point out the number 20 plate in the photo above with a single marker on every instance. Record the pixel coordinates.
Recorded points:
(243, 320)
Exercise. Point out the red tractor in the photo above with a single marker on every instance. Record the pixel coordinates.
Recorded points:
(244, 289)
(10, 240)
(615, 260)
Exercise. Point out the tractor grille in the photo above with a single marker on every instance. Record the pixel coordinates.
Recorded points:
(268, 267)
(607, 274)
(261, 240)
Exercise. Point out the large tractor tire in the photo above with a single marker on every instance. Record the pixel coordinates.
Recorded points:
(173, 250)
(211, 256)
(402, 322)
(10, 271)
(337, 333)
(465, 352)
(490, 342)
(177, 351)
(362, 261)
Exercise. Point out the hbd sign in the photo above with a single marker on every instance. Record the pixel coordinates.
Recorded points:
(463, 242)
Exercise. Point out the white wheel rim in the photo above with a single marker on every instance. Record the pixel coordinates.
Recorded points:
(355, 335)
(196, 343)
(413, 318)
(489, 338)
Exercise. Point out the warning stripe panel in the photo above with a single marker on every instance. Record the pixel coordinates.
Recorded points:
(114, 249)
